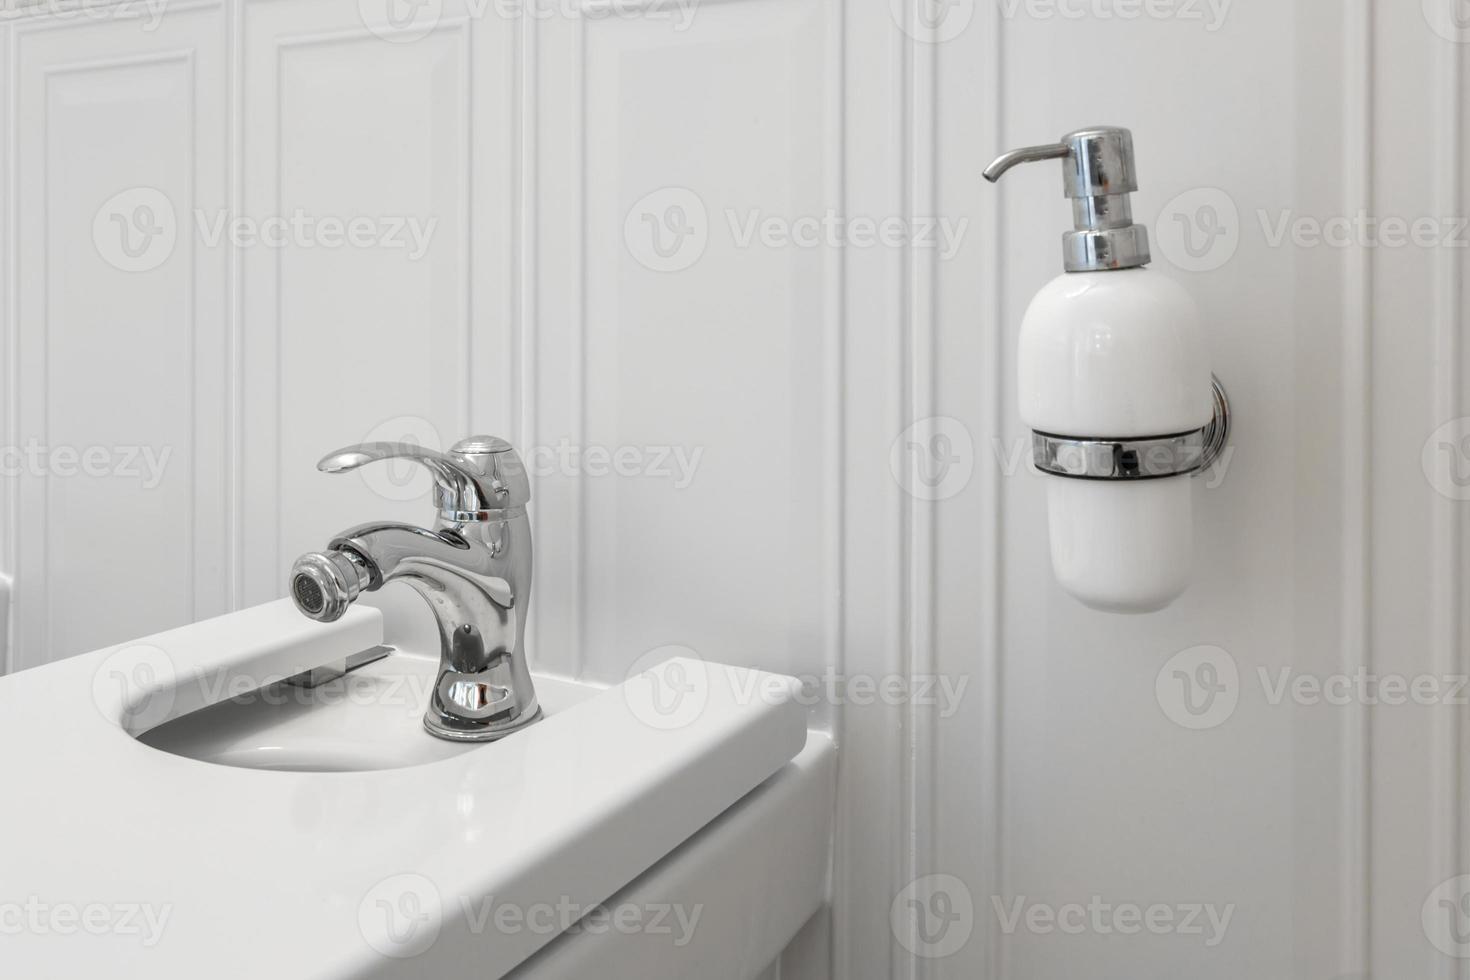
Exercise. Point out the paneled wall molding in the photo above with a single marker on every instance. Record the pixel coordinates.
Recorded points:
(1449, 527)
(150, 317)
(327, 93)
(587, 286)
(1357, 414)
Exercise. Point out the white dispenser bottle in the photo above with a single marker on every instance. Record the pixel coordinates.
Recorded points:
(1115, 383)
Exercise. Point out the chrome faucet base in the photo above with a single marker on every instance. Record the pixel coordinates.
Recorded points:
(443, 725)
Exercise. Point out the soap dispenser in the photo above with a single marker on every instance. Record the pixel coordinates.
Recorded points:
(1115, 385)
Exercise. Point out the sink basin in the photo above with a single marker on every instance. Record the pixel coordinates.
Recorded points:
(373, 850)
(370, 718)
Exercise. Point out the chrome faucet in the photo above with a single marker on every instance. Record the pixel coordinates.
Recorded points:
(473, 568)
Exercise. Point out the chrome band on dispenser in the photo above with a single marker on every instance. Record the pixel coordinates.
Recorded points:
(1151, 458)
(1119, 459)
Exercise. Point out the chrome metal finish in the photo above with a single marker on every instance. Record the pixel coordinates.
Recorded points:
(324, 585)
(1149, 458)
(473, 568)
(1026, 154)
(1116, 248)
(1217, 433)
(1098, 175)
(318, 676)
(1119, 459)
(477, 476)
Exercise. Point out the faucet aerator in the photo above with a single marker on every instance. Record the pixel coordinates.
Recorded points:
(324, 584)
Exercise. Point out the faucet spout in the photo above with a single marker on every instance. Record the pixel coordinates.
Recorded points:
(475, 576)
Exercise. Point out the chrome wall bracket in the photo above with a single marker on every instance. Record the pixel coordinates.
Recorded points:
(1152, 458)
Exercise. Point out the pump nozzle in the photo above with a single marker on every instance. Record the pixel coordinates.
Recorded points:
(1098, 175)
(1026, 154)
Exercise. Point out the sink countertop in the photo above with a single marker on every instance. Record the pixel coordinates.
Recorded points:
(247, 873)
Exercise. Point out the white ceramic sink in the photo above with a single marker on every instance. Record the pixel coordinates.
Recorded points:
(373, 849)
(370, 718)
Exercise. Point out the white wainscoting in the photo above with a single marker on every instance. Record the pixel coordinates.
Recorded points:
(98, 356)
(540, 148)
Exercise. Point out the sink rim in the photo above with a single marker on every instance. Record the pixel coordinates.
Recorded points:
(393, 731)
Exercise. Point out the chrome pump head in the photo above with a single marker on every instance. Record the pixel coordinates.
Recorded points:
(1098, 174)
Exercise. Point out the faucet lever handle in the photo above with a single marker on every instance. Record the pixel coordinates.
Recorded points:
(476, 475)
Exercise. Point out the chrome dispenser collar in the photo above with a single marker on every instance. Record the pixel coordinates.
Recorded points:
(1182, 454)
(1098, 174)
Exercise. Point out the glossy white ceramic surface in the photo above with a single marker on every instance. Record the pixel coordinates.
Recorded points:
(739, 890)
(1113, 355)
(291, 874)
(1122, 547)
(370, 718)
(1116, 355)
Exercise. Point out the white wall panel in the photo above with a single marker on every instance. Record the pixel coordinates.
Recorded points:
(407, 337)
(716, 351)
(118, 341)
